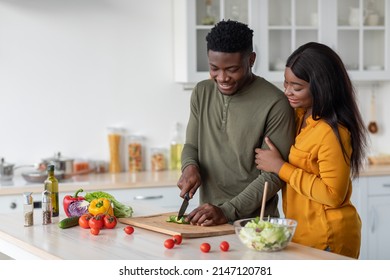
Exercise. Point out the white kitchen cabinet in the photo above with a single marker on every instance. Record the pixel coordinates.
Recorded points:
(193, 19)
(371, 196)
(14, 203)
(378, 227)
(280, 26)
(163, 197)
(359, 200)
(378, 222)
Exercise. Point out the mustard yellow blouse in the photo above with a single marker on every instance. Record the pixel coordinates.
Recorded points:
(318, 189)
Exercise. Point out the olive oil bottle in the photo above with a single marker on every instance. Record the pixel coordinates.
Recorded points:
(51, 185)
(176, 148)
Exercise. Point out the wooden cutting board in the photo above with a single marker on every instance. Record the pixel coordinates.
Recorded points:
(159, 223)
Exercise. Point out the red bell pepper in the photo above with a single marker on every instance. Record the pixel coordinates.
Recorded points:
(68, 200)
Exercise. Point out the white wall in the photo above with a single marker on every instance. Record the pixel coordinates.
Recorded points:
(69, 69)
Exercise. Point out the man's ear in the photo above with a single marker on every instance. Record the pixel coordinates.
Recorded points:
(252, 58)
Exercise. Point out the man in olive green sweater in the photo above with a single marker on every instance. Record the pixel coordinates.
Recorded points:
(230, 115)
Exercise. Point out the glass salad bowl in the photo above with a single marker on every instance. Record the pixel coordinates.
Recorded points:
(267, 235)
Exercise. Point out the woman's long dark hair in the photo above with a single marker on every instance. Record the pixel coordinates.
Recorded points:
(334, 97)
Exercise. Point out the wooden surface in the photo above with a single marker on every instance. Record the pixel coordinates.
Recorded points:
(158, 223)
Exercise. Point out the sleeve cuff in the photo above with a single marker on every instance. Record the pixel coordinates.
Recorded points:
(229, 211)
(286, 171)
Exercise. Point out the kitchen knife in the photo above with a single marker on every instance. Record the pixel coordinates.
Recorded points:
(183, 206)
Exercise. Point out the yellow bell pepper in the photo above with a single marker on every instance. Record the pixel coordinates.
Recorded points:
(100, 206)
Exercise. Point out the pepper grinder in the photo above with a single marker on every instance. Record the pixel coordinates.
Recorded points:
(46, 207)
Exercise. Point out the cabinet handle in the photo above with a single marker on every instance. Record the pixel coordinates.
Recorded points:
(386, 185)
(143, 197)
(373, 220)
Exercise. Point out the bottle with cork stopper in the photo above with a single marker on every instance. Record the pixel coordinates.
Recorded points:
(51, 185)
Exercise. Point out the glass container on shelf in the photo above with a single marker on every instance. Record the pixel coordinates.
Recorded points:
(135, 153)
(158, 159)
(115, 135)
(373, 13)
(360, 24)
(206, 14)
(236, 10)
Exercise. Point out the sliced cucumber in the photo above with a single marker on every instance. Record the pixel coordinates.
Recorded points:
(174, 219)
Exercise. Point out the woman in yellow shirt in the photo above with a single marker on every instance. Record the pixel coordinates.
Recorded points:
(328, 151)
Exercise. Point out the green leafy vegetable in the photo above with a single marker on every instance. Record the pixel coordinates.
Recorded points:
(120, 210)
(264, 235)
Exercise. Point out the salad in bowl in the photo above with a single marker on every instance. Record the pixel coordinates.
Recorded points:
(266, 235)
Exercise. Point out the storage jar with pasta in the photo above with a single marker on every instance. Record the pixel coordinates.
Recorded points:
(135, 153)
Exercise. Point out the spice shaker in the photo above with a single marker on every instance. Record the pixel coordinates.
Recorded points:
(28, 209)
(46, 207)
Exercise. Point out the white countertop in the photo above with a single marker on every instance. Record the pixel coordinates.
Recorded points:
(51, 242)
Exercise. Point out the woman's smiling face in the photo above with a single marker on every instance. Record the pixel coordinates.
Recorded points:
(231, 71)
(297, 91)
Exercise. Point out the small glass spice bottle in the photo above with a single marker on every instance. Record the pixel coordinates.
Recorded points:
(46, 207)
(28, 209)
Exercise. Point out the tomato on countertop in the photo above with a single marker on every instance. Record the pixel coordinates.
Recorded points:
(129, 229)
(110, 221)
(205, 247)
(224, 246)
(169, 243)
(177, 238)
(96, 222)
(84, 220)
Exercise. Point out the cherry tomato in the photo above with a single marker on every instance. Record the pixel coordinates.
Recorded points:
(84, 220)
(177, 239)
(95, 231)
(110, 221)
(224, 246)
(205, 247)
(96, 222)
(129, 229)
(169, 243)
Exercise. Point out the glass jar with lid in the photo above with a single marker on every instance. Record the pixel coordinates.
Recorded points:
(158, 158)
(135, 160)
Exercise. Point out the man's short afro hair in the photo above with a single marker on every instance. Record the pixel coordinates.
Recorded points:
(230, 37)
